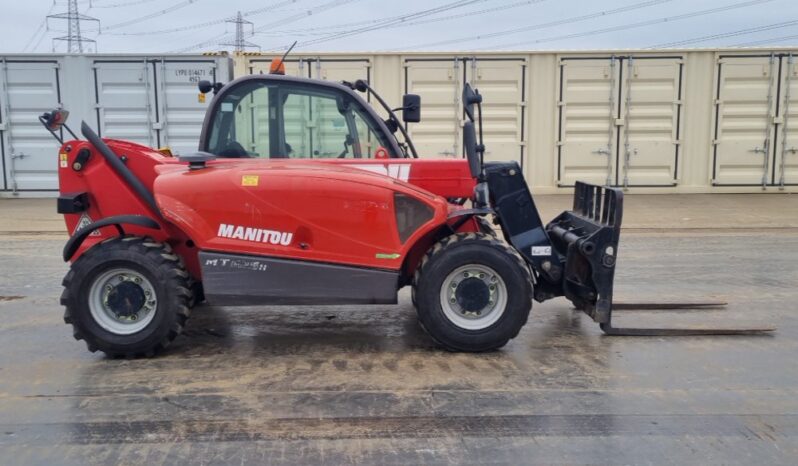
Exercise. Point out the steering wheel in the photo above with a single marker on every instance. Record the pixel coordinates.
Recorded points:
(234, 150)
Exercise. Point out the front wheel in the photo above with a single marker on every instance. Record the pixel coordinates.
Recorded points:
(128, 296)
(473, 293)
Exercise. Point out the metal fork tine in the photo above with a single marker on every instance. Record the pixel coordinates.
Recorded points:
(669, 306)
(675, 306)
(676, 332)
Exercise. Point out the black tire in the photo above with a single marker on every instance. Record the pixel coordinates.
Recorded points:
(197, 293)
(152, 260)
(486, 227)
(464, 249)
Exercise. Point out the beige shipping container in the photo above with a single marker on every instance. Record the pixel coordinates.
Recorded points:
(649, 121)
(754, 143)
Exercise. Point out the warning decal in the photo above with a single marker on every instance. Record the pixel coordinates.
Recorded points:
(249, 180)
(85, 221)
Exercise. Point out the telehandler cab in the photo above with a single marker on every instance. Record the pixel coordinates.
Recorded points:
(301, 194)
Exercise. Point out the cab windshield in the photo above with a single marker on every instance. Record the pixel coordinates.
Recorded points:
(260, 119)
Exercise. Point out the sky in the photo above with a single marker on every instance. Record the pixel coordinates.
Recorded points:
(191, 26)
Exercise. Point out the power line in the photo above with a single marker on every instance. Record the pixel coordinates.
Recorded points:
(740, 32)
(39, 29)
(403, 18)
(636, 25)
(146, 17)
(315, 10)
(471, 13)
(207, 23)
(309, 31)
(320, 9)
(765, 41)
(573, 19)
(38, 42)
(92, 4)
(35, 34)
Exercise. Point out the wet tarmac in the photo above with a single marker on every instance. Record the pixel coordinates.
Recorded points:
(355, 385)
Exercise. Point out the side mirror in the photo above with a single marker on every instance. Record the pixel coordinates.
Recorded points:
(411, 108)
(55, 119)
(205, 86)
(470, 97)
(361, 85)
(470, 145)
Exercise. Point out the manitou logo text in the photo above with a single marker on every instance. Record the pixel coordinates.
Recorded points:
(256, 235)
(400, 171)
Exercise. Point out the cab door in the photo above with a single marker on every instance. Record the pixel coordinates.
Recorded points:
(294, 119)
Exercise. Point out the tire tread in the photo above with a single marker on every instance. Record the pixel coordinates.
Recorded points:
(446, 244)
(176, 284)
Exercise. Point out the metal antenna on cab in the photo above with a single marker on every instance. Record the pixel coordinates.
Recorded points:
(282, 59)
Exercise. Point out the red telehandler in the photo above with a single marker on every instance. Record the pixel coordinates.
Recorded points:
(301, 194)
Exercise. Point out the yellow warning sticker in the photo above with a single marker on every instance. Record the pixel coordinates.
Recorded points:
(63, 160)
(201, 98)
(249, 180)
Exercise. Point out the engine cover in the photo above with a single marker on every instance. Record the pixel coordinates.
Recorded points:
(310, 211)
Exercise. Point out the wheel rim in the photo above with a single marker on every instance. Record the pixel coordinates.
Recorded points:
(473, 297)
(122, 301)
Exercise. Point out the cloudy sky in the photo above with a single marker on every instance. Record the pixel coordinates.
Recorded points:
(147, 26)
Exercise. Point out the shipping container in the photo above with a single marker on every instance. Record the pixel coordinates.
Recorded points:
(650, 121)
(151, 100)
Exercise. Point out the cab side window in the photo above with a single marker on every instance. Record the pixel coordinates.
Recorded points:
(241, 126)
(318, 125)
(292, 120)
(252, 123)
(369, 140)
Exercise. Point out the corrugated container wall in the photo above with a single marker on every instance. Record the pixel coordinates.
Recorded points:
(650, 121)
(152, 100)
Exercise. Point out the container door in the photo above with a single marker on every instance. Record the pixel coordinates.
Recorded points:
(181, 109)
(440, 85)
(30, 154)
(786, 166)
(341, 69)
(744, 109)
(649, 129)
(125, 100)
(588, 118)
(293, 66)
(501, 83)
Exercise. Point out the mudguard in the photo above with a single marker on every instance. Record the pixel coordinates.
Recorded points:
(117, 221)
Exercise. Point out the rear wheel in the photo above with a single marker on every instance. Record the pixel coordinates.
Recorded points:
(473, 293)
(128, 296)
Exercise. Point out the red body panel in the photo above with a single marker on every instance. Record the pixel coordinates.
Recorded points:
(449, 178)
(337, 211)
(310, 211)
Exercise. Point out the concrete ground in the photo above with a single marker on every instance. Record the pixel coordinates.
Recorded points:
(341, 385)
